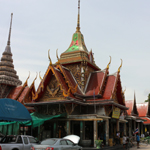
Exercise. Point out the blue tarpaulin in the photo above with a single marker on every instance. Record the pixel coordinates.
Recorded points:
(12, 110)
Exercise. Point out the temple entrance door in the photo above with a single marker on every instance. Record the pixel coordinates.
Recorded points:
(76, 128)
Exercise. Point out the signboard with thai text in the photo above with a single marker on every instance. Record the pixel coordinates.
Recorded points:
(116, 113)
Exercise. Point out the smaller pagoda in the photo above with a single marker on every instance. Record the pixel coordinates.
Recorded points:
(8, 75)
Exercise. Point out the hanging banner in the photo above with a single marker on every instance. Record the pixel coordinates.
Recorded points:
(145, 129)
(116, 113)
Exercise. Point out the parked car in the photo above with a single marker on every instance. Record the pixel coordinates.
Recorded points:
(17, 142)
(69, 142)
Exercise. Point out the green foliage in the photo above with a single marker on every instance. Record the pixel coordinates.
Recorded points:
(148, 99)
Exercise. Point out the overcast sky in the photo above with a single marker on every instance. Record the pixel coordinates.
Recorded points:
(116, 28)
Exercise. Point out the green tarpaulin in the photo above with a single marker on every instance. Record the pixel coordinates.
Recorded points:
(37, 120)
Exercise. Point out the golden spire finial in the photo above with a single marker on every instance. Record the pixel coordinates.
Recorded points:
(120, 66)
(78, 21)
(109, 63)
(57, 56)
(49, 57)
(40, 76)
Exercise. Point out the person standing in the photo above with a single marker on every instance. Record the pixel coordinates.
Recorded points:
(124, 141)
(138, 140)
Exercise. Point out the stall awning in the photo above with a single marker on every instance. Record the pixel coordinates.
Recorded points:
(38, 119)
(147, 122)
(12, 110)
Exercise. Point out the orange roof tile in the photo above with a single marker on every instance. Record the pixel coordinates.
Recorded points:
(142, 109)
(129, 104)
(146, 122)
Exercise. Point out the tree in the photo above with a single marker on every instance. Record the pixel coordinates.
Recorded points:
(148, 99)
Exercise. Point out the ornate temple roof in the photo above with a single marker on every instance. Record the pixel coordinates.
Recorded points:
(8, 74)
(132, 111)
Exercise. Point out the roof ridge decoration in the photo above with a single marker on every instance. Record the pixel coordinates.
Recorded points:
(53, 70)
(49, 57)
(120, 66)
(34, 95)
(23, 87)
(8, 74)
(117, 77)
(104, 78)
(73, 90)
(58, 62)
(109, 63)
(42, 86)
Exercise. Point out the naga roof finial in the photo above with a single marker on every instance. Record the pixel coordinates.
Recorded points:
(40, 76)
(25, 84)
(120, 66)
(8, 42)
(57, 56)
(35, 77)
(78, 21)
(109, 63)
(49, 57)
(124, 90)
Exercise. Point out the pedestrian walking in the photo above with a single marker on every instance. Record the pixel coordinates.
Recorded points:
(138, 140)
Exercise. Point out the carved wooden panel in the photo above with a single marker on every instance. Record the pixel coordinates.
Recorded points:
(76, 71)
(52, 91)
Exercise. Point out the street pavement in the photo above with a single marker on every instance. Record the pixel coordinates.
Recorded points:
(141, 147)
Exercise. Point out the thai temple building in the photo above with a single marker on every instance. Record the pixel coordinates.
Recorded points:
(74, 96)
(92, 98)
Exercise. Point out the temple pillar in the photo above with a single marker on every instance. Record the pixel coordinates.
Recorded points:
(118, 129)
(134, 125)
(81, 130)
(142, 128)
(95, 131)
(138, 125)
(107, 130)
(54, 130)
(130, 127)
(39, 133)
(125, 129)
(68, 127)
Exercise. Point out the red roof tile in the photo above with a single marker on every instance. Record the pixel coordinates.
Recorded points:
(129, 104)
(14, 92)
(142, 109)
(23, 94)
(95, 82)
(109, 86)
